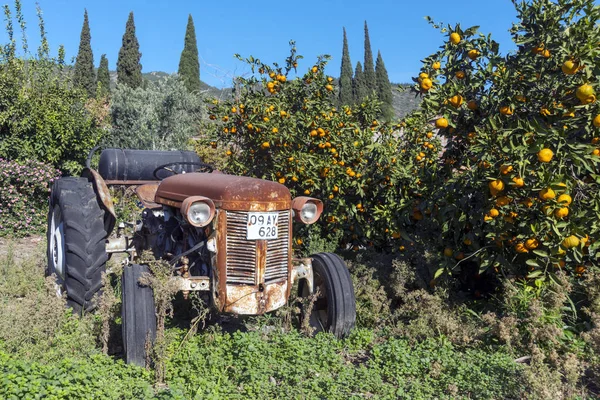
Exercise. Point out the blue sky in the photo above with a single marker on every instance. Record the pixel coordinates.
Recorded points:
(263, 29)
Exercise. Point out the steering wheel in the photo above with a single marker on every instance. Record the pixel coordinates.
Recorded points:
(175, 168)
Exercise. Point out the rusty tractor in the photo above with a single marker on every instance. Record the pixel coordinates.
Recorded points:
(227, 236)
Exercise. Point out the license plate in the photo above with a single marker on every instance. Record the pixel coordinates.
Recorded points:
(262, 226)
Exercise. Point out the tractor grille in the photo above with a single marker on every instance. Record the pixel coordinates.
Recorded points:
(241, 253)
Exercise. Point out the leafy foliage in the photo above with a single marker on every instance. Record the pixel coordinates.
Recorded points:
(384, 87)
(345, 93)
(189, 65)
(129, 69)
(83, 74)
(24, 190)
(103, 81)
(359, 89)
(368, 67)
(42, 117)
(162, 116)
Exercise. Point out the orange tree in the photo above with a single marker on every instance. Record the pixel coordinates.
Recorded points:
(292, 131)
(519, 183)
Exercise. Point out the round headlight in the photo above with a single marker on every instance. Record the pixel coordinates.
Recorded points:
(308, 212)
(199, 213)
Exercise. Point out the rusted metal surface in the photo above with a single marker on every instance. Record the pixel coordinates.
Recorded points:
(221, 265)
(254, 300)
(193, 283)
(187, 203)
(101, 189)
(120, 244)
(228, 192)
(299, 202)
(146, 195)
(128, 182)
(302, 269)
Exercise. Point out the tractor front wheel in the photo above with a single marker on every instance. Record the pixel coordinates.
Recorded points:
(333, 309)
(137, 315)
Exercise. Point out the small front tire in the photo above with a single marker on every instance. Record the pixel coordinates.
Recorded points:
(334, 309)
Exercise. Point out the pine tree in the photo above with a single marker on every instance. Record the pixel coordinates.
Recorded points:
(129, 69)
(384, 87)
(359, 90)
(345, 93)
(369, 69)
(103, 81)
(189, 66)
(83, 75)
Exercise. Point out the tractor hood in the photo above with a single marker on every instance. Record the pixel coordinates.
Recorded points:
(228, 192)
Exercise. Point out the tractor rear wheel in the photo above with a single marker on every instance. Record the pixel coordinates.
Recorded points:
(334, 308)
(76, 242)
(137, 315)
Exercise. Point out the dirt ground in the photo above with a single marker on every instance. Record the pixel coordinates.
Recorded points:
(22, 248)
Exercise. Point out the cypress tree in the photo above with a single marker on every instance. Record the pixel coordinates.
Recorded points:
(384, 87)
(359, 90)
(83, 75)
(345, 93)
(189, 66)
(129, 69)
(369, 69)
(103, 75)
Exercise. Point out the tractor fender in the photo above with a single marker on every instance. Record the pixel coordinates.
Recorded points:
(104, 197)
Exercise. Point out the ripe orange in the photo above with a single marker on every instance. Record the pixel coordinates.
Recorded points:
(460, 74)
(506, 169)
(503, 201)
(472, 105)
(570, 67)
(547, 194)
(596, 152)
(436, 65)
(423, 75)
(596, 121)
(571, 241)
(531, 244)
(496, 186)
(281, 180)
(473, 54)
(456, 100)
(494, 213)
(545, 155)
(314, 69)
(265, 145)
(561, 212)
(506, 110)
(426, 84)
(520, 248)
(586, 94)
(519, 182)
(441, 123)
(455, 38)
(448, 252)
(329, 88)
(564, 199)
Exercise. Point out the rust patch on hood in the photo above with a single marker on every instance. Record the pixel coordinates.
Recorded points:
(229, 192)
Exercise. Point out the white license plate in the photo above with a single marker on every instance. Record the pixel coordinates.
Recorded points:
(262, 225)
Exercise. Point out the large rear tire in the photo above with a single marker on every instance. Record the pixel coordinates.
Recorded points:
(138, 315)
(334, 309)
(76, 242)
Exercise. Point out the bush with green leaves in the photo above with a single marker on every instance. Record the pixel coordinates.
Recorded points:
(42, 116)
(24, 191)
(161, 116)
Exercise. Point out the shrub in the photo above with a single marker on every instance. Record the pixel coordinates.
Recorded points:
(24, 191)
(162, 116)
(42, 117)
(291, 131)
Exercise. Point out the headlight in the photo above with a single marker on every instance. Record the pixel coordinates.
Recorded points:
(199, 213)
(198, 210)
(306, 209)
